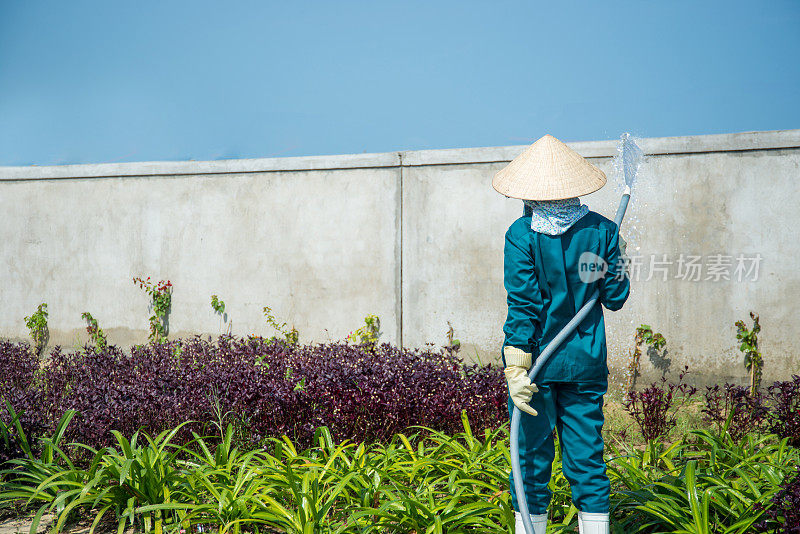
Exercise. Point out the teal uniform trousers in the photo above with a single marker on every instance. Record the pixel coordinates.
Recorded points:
(548, 278)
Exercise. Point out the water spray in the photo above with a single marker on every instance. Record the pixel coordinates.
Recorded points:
(631, 157)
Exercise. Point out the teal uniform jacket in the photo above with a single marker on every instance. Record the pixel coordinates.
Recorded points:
(546, 290)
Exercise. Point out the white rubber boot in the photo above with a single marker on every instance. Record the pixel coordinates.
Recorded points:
(539, 523)
(592, 523)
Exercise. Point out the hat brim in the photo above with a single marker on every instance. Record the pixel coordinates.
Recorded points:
(548, 170)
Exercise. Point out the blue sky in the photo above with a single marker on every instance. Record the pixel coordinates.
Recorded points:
(99, 81)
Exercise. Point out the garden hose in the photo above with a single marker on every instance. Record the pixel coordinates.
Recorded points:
(541, 359)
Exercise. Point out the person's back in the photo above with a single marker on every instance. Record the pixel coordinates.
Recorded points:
(555, 257)
(567, 268)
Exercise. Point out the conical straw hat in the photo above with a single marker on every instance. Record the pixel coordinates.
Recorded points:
(548, 170)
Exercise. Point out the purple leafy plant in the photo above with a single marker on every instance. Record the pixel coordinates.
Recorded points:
(19, 367)
(266, 387)
(653, 408)
(747, 412)
(785, 509)
(784, 417)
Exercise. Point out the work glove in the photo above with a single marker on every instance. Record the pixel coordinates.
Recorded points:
(520, 387)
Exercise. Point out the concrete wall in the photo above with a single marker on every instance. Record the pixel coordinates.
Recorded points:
(317, 246)
(415, 237)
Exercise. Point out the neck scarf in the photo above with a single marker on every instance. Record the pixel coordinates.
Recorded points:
(554, 217)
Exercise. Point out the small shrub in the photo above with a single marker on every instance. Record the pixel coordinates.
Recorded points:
(747, 412)
(753, 361)
(96, 334)
(369, 333)
(453, 345)
(633, 365)
(291, 336)
(644, 336)
(219, 309)
(217, 305)
(653, 408)
(37, 325)
(161, 301)
(784, 417)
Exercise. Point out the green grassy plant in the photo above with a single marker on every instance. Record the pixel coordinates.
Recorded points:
(426, 482)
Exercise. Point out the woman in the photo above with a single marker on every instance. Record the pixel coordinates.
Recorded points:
(556, 255)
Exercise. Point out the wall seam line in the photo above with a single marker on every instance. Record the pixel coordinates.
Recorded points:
(400, 252)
